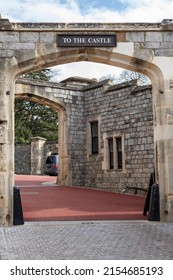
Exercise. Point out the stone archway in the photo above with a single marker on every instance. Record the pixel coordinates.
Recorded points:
(135, 63)
(146, 48)
(42, 93)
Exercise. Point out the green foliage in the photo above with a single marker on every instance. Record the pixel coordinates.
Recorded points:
(33, 119)
(44, 75)
(22, 133)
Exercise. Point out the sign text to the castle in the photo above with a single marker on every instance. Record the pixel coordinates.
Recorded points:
(71, 40)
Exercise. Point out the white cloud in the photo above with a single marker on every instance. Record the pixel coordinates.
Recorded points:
(149, 11)
(41, 10)
(69, 11)
(136, 11)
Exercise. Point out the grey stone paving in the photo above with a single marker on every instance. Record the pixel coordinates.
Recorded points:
(103, 240)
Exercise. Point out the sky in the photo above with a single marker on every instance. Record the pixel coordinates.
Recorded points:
(86, 11)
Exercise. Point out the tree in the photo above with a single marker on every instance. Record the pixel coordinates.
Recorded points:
(127, 75)
(33, 119)
(44, 75)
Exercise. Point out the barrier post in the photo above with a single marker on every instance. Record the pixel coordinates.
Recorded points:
(148, 196)
(17, 207)
(154, 208)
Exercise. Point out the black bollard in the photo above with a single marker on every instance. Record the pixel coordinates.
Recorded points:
(17, 207)
(148, 196)
(154, 208)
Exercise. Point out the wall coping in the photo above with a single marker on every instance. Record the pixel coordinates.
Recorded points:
(42, 83)
(166, 24)
(37, 138)
(107, 83)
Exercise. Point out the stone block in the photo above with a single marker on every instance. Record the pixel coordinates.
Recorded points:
(47, 37)
(135, 36)
(3, 133)
(153, 37)
(12, 37)
(3, 114)
(166, 45)
(31, 37)
(19, 46)
(164, 52)
(152, 45)
(168, 36)
(131, 142)
(6, 53)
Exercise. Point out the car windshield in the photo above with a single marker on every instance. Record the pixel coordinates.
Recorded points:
(51, 159)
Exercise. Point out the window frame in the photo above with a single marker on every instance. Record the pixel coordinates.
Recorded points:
(118, 153)
(90, 120)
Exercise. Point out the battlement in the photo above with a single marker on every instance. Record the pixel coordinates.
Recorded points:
(5, 24)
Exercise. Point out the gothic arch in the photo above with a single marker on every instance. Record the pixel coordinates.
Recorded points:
(31, 91)
(119, 57)
(134, 62)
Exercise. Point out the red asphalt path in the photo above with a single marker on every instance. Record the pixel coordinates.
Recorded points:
(44, 201)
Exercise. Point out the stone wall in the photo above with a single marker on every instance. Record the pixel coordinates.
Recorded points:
(30, 158)
(77, 136)
(22, 159)
(124, 110)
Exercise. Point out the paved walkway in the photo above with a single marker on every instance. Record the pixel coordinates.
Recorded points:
(84, 240)
(101, 240)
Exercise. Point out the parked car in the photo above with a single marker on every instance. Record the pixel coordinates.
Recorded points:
(51, 165)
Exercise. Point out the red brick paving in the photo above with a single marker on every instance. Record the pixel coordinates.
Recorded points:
(60, 203)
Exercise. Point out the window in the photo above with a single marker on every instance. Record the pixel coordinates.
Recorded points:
(94, 137)
(119, 152)
(114, 153)
(111, 153)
